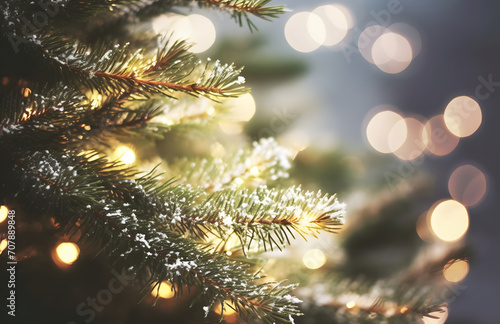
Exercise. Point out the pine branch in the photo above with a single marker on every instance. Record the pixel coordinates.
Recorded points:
(122, 220)
(267, 217)
(264, 160)
(115, 70)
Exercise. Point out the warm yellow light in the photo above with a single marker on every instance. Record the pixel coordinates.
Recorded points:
(351, 304)
(392, 53)
(67, 252)
(164, 290)
(367, 38)
(440, 317)
(414, 146)
(25, 91)
(202, 31)
(217, 150)
(386, 131)
(230, 128)
(314, 259)
(456, 270)
(229, 253)
(335, 22)
(3, 245)
(238, 181)
(254, 171)
(403, 309)
(437, 138)
(467, 185)
(228, 308)
(463, 116)
(198, 29)
(4, 211)
(210, 111)
(125, 154)
(449, 220)
(241, 109)
(305, 32)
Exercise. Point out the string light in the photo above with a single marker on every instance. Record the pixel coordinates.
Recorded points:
(3, 245)
(456, 270)
(4, 211)
(468, 185)
(449, 220)
(67, 252)
(314, 259)
(164, 290)
(124, 154)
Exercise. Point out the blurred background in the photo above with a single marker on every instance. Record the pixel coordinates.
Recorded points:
(400, 88)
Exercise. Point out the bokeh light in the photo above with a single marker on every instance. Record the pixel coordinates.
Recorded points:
(414, 145)
(228, 308)
(4, 211)
(410, 33)
(124, 154)
(437, 138)
(305, 32)
(468, 185)
(392, 53)
(314, 259)
(196, 29)
(367, 38)
(449, 220)
(164, 291)
(386, 132)
(3, 245)
(336, 23)
(67, 252)
(456, 270)
(241, 108)
(438, 317)
(463, 116)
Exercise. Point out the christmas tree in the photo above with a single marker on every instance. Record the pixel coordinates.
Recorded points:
(82, 83)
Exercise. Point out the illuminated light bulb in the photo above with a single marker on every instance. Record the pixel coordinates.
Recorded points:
(456, 270)
(238, 181)
(228, 308)
(3, 245)
(351, 304)
(468, 185)
(335, 22)
(217, 150)
(164, 291)
(367, 38)
(314, 259)
(386, 132)
(439, 317)
(125, 154)
(392, 53)
(305, 32)
(254, 171)
(449, 220)
(210, 111)
(437, 138)
(229, 253)
(463, 116)
(4, 211)
(25, 91)
(403, 309)
(414, 145)
(67, 252)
